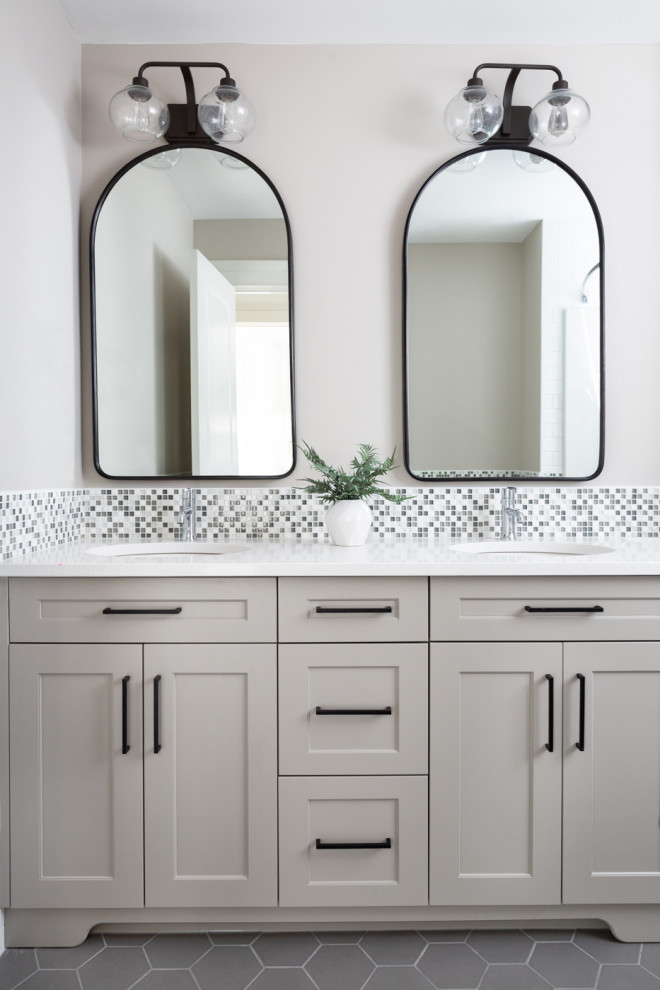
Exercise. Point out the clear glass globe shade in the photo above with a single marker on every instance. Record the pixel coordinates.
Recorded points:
(474, 115)
(559, 118)
(530, 162)
(166, 159)
(226, 115)
(138, 114)
(468, 164)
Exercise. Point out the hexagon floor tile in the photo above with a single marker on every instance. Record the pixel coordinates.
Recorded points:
(536, 959)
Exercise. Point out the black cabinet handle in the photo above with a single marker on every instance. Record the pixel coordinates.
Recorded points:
(353, 711)
(561, 608)
(322, 610)
(550, 745)
(124, 715)
(580, 742)
(142, 611)
(386, 844)
(157, 745)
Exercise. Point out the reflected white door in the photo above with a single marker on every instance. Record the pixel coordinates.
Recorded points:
(212, 370)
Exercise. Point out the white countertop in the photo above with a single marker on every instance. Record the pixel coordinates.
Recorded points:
(287, 558)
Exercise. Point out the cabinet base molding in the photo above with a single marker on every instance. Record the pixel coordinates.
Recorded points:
(68, 927)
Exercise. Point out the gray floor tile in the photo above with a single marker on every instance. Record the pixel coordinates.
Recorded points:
(393, 948)
(501, 946)
(452, 966)
(227, 967)
(563, 964)
(446, 936)
(614, 977)
(70, 958)
(398, 978)
(651, 957)
(16, 965)
(52, 979)
(286, 948)
(605, 948)
(114, 969)
(339, 938)
(514, 977)
(162, 979)
(233, 938)
(124, 939)
(176, 951)
(550, 934)
(285, 978)
(339, 967)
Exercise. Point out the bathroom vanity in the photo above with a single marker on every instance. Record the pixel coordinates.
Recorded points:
(300, 736)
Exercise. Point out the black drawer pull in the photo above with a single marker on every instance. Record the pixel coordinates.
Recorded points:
(353, 711)
(550, 745)
(142, 611)
(561, 608)
(583, 690)
(386, 844)
(124, 715)
(322, 610)
(157, 745)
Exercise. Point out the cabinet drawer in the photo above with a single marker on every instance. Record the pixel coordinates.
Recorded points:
(336, 610)
(557, 608)
(353, 709)
(142, 610)
(380, 826)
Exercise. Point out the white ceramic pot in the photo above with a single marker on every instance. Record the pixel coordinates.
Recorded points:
(348, 522)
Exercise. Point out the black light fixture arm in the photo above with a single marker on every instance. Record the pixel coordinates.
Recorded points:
(515, 120)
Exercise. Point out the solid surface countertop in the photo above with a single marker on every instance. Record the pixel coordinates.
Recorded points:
(290, 558)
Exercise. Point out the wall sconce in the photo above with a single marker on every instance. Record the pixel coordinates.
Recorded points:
(224, 116)
(476, 115)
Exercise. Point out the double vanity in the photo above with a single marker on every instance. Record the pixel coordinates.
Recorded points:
(294, 735)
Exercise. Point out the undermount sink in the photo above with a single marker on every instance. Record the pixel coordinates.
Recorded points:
(165, 548)
(533, 546)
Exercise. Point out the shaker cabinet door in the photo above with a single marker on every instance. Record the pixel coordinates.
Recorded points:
(76, 776)
(210, 775)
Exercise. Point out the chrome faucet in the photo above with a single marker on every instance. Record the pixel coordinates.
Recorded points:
(186, 516)
(511, 517)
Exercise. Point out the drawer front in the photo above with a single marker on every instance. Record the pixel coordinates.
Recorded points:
(142, 610)
(353, 842)
(557, 608)
(346, 610)
(353, 709)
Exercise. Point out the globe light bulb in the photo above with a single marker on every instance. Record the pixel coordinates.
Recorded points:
(138, 114)
(225, 114)
(474, 115)
(560, 117)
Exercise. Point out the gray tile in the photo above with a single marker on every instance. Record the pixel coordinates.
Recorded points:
(70, 958)
(16, 965)
(233, 938)
(163, 979)
(501, 946)
(339, 967)
(514, 977)
(452, 966)
(564, 965)
(651, 957)
(114, 969)
(397, 978)
(550, 934)
(613, 977)
(339, 938)
(126, 939)
(286, 948)
(393, 948)
(227, 967)
(446, 936)
(176, 951)
(52, 979)
(284, 978)
(605, 948)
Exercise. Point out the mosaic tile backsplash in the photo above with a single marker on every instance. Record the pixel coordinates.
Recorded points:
(33, 520)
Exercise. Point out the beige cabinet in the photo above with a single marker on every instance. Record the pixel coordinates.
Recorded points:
(612, 778)
(495, 771)
(76, 775)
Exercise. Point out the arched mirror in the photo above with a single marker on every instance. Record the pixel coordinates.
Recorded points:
(503, 296)
(192, 320)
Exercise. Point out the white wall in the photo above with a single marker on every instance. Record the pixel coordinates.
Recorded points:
(364, 131)
(40, 177)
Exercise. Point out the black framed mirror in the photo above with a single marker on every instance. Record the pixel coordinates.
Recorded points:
(503, 321)
(192, 320)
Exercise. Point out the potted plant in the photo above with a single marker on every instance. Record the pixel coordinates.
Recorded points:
(349, 517)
